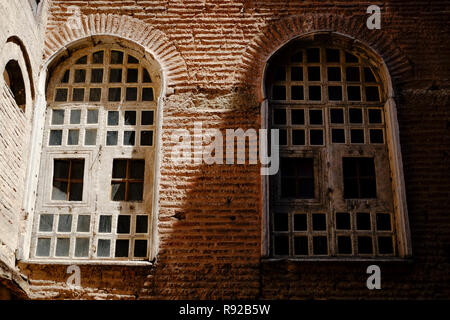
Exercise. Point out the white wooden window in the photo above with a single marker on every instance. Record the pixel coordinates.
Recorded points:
(332, 196)
(96, 179)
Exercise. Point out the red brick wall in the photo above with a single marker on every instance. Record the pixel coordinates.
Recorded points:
(210, 216)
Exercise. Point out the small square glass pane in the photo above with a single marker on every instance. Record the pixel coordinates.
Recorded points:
(315, 93)
(355, 115)
(95, 94)
(136, 191)
(297, 116)
(105, 224)
(281, 221)
(363, 221)
(146, 138)
(114, 94)
(115, 75)
(72, 137)
(301, 246)
(354, 93)
(279, 116)
(43, 247)
(333, 55)
(111, 138)
(62, 247)
(92, 116)
(118, 191)
(384, 222)
(316, 137)
(344, 245)
(65, 77)
(319, 222)
(352, 74)
(140, 248)
(96, 75)
(279, 92)
(76, 192)
(119, 169)
(83, 223)
(313, 73)
(147, 118)
(385, 245)
(82, 247)
(357, 136)
(122, 247)
(337, 115)
(113, 118)
(300, 222)
(130, 118)
(123, 224)
(375, 116)
(298, 137)
(57, 117)
(335, 93)
(59, 191)
(147, 94)
(55, 138)
(97, 57)
(129, 138)
(78, 94)
(313, 55)
(376, 136)
(131, 94)
(334, 73)
(315, 117)
(337, 135)
(116, 57)
(372, 94)
(141, 224)
(90, 138)
(132, 75)
(281, 245)
(65, 223)
(75, 116)
(103, 248)
(80, 76)
(343, 221)
(61, 95)
(46, 223)
(365, 245)
(297, 93)
(296, 74)
(320, 245)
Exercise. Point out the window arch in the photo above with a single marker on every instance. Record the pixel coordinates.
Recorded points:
(14, 79)
(332, 196)
(96, 182)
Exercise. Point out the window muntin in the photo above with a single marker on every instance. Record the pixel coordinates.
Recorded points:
(327, 103)
(83, 120)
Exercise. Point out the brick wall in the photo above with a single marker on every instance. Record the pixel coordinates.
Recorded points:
(213, 53)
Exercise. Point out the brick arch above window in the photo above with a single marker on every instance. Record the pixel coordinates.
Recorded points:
(352, 30)
(153, 40)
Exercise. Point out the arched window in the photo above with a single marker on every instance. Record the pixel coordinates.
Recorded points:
(96, 183)
(14, 79)
(332, 196)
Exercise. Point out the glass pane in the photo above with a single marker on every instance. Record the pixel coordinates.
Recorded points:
(65, 223)
(61, 169)
(337, 115)
(59, 191)
(315, 93)
(343, 221)
(316, 137)
(319, 222)
(283, 137)
(132, 75)
(301, 246)
(55, 137)
(297, 93)
(105, 224)
(123, 224)
(131, 94)
(140, 248)
(62, 247)
(281, 245)
(297, 116)
(130, 118)
(280, 73)
(334, 73)
(147, 94)
(115, 75)
(345, 245)
(78, 94)
(146, 77)
(57, 117)
(116, 57)
(119, 169)
(279, 116)
(355, 115)
(320, 245)
(76, 192)
(335, 93)
(298, 137)
(43, 247)
(383, 222)
(354, 93)
(82, 60)
(337, 136)
(375, 116)
(278, 92)
(97, 57)
(357, 135)
(92, 116)
(80, 76)
(46, 222)
(313, 55)
(137, 169)
(146, 138)
(83, 224)
(90, 138)
(129, 138)
(113, 118)
(333, 55)
(82, 247)
(135, 191)
(61, 95)
(132, 59)
(72, 137)
(96, 75)
(368, 75)
(147, 118)
(141, 224)
(65, 77)
(77, 169)
(350, 57)
(352, 74)
(372, 94)
(363, 221)
(365, 245)
(118, 191)
(281, 222)
(111, 138)
(315, 116)
(114, 94)
(297, 57)
(376, 136)
(103, 248)
(385, 245)
(300, 222)
(313, 73)
(122, 248)
(296, 74)
(95, 94)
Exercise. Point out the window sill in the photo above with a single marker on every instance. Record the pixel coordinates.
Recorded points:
(337, 259)
(89, 262)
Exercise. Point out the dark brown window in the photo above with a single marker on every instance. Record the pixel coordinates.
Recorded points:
(68, 179)
(297, 178)
(359, 178)
(127, 180)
